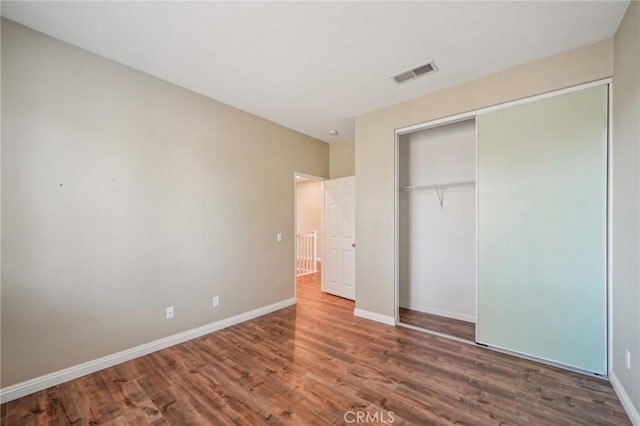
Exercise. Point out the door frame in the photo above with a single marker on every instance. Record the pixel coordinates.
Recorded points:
(608, 165)
(295, 224)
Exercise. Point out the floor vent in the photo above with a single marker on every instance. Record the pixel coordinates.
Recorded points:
(415, 72)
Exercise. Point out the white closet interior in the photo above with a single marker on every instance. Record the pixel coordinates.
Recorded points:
(437, 236)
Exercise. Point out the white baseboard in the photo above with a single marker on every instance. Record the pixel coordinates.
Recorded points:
(440, 312)
(28, 387)
(374, 316)
(631, 410)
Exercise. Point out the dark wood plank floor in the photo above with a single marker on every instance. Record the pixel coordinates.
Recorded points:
(311, 364)
(449, 326)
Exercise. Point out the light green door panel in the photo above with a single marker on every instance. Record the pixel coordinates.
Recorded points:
(542, 229)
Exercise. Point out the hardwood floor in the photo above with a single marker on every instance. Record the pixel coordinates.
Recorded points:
(449, 326)
(314, 363)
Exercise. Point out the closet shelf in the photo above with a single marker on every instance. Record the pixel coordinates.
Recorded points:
(438, 186)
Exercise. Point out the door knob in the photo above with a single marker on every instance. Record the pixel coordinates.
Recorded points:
(353, 245)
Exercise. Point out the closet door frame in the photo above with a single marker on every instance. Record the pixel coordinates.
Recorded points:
(607, 82)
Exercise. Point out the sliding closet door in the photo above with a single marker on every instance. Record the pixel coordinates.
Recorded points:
(542, 229)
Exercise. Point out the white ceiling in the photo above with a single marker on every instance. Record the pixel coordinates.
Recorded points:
(314, 66)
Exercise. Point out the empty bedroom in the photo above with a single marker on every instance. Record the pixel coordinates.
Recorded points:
(320, 212)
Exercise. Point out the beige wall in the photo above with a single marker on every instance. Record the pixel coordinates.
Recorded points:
(374, 152)
(309, 204)
(123, 194)
(342, 159)
(625, 268)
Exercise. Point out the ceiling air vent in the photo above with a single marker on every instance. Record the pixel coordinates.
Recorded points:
(415, 73)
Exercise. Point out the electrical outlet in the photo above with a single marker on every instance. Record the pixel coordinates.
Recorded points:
(279, 237)
(627, 359)
(216, 302)
(169, 312)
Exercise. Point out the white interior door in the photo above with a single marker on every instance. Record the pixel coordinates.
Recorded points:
(339, 257)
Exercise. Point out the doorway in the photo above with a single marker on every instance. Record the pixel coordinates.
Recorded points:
(308, 220)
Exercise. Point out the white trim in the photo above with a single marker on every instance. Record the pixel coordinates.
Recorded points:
(609, 236)
(396, 231)
(606, 230)
(631, 410)
(28, 387)
(374, 316)
(439, 312)
(295, 240)
(477, 230)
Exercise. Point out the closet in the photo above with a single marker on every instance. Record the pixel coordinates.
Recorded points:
(437, 255)
(502, 221)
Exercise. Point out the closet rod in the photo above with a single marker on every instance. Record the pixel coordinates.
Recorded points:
(438, 186)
